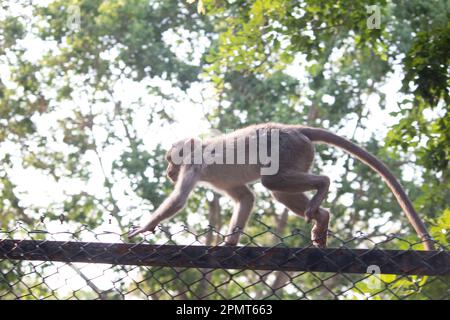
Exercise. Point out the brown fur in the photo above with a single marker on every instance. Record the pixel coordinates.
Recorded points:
(287, 186)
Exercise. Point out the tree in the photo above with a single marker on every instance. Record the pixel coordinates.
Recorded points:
(64, 115)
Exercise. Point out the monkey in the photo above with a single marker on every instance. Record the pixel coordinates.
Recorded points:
(287, 184)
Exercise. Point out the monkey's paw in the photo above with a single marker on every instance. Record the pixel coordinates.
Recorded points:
(137, 230)
(319, 236)
(320, 230)
(320, 242)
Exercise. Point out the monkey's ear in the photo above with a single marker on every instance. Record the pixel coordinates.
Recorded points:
(193, 143)
(188, 145)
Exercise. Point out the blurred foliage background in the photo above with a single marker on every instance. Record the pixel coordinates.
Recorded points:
(89, 87)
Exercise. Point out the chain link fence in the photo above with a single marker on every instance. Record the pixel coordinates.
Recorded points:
(37, 264)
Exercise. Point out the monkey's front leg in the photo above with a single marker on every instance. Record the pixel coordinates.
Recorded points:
(168, 208)
(243, 204)
(150, 226)
(175, 202)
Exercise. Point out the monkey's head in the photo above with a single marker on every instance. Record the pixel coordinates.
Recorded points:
(176, 152)
(172, 170)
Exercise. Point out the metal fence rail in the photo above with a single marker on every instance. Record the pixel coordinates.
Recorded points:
(64, 265)
(221, 257)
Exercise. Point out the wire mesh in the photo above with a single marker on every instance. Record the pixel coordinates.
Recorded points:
(175, 264)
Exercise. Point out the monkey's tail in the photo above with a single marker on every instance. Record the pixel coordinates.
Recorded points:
(321, 135)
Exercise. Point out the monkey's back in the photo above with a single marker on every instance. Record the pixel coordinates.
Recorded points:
(295, 151)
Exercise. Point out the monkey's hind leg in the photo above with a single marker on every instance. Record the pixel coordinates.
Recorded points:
(292, 182)
(298, 203)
